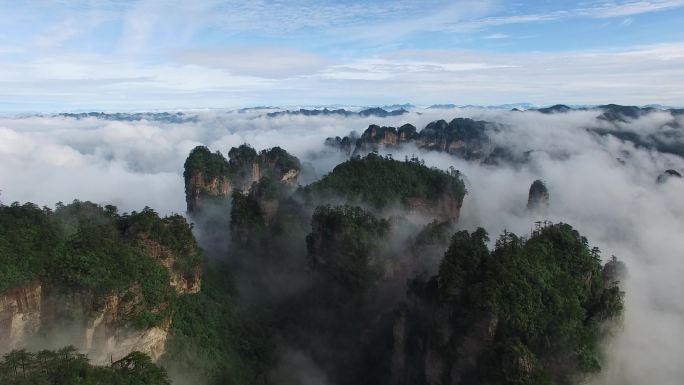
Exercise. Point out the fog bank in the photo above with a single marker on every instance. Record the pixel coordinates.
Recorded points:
(601, 185)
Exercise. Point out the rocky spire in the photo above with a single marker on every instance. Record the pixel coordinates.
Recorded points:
(667, 174)
(538, 199)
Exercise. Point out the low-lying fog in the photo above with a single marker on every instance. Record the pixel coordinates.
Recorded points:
(615, 203)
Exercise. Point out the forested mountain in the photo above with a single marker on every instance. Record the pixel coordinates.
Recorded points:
(472, 139)
(86, 275)
(364, 276)
(321, 271)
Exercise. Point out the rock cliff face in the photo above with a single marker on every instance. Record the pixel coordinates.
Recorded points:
(445, 208)
(182, 282)
(343, 249)
(19, 315)
(538, 199)
(98, 325)
(343, 144)
(210, 176)
(198, 187)
(207, 175)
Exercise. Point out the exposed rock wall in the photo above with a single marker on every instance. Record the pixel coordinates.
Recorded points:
(95, 324)
(20, 311)
(105, 340)
(197, 187)
(538, 199)
(241, 171)
(441, 353)
(399, 338)
(98, 325)
(182, 282)
(445, 208)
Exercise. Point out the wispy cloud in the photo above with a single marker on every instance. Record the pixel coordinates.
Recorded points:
(498, 36)
(638, 75)
(155, 53)
(255, 61)
(609, 10)
(628, 21)
(56, 35)
(629, 8)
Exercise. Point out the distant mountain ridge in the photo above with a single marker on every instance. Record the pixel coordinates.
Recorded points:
(165, 117)
(463, 137)
(471, 139)
(374, 111)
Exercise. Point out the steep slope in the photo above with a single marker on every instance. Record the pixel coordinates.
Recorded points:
(529, 312)
(84, 275)
(343, 246)
(209, 176)
(538, 197)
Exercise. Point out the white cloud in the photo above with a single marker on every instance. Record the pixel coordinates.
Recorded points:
(497, 36)
(637, 75)
(607, 10)
(56, 35)
(618, 207)
(629, 8)
(262, 62)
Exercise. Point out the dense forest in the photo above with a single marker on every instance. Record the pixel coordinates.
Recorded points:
(67, 366)
(86, 247)
(311, 273)
(334, 275)
(529, 311)
(381, 181)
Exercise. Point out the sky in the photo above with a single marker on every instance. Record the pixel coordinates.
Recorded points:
(118, 55)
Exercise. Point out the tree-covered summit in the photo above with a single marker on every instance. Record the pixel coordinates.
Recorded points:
(531, 311)
(210, 164)
(382, 181)
(210, 177)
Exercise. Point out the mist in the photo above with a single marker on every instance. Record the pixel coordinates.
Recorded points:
(616, 205)
(602, 186)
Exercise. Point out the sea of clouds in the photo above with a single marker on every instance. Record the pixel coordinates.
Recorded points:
(602, 186)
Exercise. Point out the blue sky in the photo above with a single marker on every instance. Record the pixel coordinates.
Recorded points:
(139, 55)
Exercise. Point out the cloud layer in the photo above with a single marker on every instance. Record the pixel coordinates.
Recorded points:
(615, 203)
